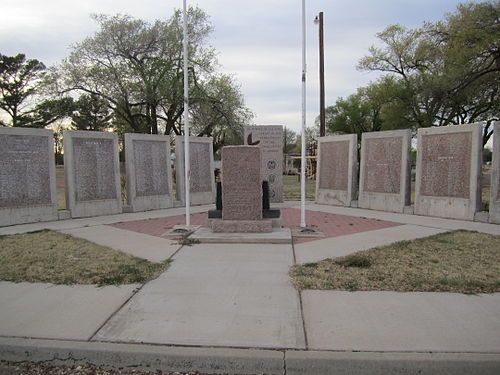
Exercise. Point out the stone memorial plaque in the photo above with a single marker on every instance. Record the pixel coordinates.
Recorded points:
(201, 174)
(149, 171)
(27, 176)
(448, 178)
(269, 138)
(446, 165)
(94, 169)
(24, 171)
(382, 172)
(385, 176)
(92, 173)
(336, 180)
(152, 165)
(202, 178)
(333, 174)
(241, 183)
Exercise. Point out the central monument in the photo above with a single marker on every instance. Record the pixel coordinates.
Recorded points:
(241, 192)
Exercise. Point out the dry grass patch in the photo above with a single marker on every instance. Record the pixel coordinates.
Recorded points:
(459, 261)
(53, 257)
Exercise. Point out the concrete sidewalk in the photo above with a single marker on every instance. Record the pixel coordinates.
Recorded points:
(216, 298)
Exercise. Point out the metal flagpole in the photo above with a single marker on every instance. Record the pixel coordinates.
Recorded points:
(187, 170)
(303, 136)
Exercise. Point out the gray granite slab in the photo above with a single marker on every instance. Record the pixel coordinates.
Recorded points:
(27, 176)
(202, 178)
(92, 173)
(269, 138)
(149, 171)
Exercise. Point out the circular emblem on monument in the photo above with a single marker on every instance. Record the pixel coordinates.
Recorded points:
(271, 164)
(271, 178)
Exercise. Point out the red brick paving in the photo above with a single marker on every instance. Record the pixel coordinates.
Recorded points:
(158, 227)
(331, 225)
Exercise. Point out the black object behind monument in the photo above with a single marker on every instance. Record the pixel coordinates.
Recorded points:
(265, 195)
(218, 197)
(267, 213)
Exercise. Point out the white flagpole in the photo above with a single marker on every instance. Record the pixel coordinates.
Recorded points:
(303, 136)
(187, 170)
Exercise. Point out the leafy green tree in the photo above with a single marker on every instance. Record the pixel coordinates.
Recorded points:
(218, 110)
(289, 141)
(20, 79)
(449, 70)
(21, 86)
(347, 116)
(48, 111)
(137, 67)
(91, 112)
(379, 106)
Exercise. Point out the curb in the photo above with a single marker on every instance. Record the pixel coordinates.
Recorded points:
(388, 363)
(244, 361)
(142, 356)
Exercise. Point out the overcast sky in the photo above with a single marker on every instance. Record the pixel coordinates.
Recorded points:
(259, 41)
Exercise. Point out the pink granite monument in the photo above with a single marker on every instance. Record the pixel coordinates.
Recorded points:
(336, 182)
(385, 170)
(448, 171)
(241, 192)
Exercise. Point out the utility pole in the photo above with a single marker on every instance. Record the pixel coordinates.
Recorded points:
(319, 20)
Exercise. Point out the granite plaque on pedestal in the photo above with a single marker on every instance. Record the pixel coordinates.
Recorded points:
(27, 176)
(149, 171)
(92, 173)
(448, 171)
(269, 138)
(336, 181)
(201, 161)
(241, 183)
(495, 176)
(385, 170)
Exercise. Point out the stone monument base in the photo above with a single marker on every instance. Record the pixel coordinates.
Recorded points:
(273, 215)
(266, 214)
(241, 226)
(277, 236)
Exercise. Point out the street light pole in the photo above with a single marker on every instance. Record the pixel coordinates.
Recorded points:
(319, 20)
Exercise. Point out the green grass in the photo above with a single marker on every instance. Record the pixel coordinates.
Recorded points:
(60, 186)
(291, 189)
(52, 257)
(459, 261)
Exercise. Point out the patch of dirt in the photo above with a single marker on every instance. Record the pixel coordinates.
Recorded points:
(28, 368)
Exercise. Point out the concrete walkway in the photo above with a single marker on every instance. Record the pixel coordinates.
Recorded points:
(216, 295)
(231, 309)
